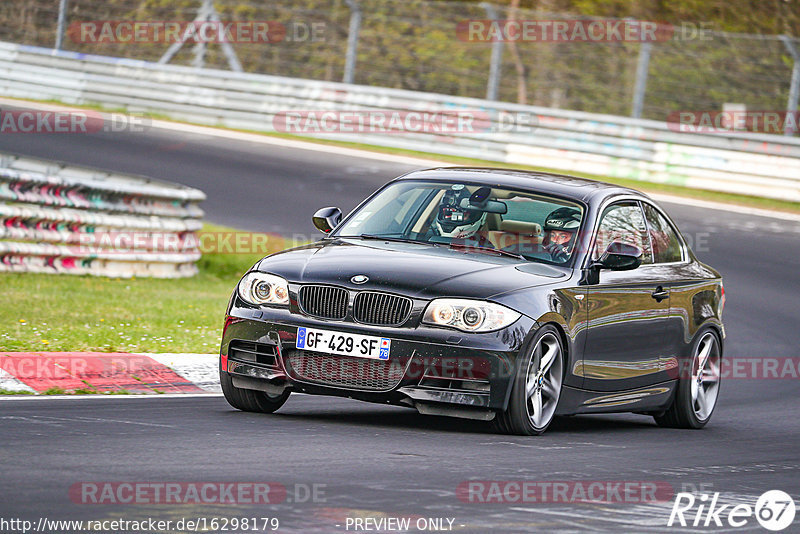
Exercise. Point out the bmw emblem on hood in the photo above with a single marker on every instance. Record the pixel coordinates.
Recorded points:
(360, 279)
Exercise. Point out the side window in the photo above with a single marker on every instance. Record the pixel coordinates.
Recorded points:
(666, 245)
(623, 222)
(393, 216)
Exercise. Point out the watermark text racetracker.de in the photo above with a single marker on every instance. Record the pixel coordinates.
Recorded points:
(135, 241)
(208, 493)
(391, 121)
(175, 31)
(106, 373)
(562, 491)
(147, 525)
(242, 242)
(728, 121)
(579, 31)
(30, 121)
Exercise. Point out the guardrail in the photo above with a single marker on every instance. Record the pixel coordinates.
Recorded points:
(56, 218)
(734, 162)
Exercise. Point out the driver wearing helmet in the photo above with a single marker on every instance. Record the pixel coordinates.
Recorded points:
(561, 228)
(456, 222)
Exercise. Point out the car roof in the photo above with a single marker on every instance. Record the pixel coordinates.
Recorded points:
(561, 185)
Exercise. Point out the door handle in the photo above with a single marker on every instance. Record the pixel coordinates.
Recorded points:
(660, 294)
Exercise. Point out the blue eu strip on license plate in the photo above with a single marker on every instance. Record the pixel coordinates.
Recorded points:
(301, 338)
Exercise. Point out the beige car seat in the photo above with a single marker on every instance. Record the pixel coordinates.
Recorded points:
(516, 236)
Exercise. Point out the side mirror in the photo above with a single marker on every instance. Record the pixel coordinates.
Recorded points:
(326, 219)
(620, 257)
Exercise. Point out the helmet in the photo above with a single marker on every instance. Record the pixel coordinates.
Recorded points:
(454, 221)
(563, 220)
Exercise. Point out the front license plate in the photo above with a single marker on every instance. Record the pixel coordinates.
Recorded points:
(343, 344)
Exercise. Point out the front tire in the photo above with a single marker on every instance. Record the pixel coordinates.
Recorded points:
(249, 400)
(537, 386)
(698, 387)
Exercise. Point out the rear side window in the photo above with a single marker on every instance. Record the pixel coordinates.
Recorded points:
(623, 222)
(666, 245)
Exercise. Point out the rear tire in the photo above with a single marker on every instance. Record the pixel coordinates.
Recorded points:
(697, 393)
(536, 388)
(249, 400)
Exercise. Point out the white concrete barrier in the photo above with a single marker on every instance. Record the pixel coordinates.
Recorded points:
(733, 162)
(56, 218)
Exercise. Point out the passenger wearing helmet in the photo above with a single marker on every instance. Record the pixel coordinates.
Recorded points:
(455, 222)
(561, 228)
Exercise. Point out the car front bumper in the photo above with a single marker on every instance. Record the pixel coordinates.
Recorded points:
(435, 370)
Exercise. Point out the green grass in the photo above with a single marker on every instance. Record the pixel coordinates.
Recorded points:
(648, 187)
(42, 312)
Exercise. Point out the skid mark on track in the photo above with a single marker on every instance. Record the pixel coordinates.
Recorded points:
(770, 467)
(49, 419)
(650, 517)
(568, 445)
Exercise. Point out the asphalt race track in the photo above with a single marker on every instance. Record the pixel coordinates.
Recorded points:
(377, 461)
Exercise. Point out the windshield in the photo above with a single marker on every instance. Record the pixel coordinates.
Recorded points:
(474, 218)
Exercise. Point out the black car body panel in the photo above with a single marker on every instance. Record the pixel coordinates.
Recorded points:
(626, 334)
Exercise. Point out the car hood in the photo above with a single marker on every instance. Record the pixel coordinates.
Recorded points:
(414, 270)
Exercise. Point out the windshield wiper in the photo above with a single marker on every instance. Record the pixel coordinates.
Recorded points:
(397, 239)
(464, 246)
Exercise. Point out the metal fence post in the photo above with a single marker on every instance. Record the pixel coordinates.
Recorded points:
(352, 41)
(497, 56)
(227, 48)
(206, 13)
(794, 88)
(62, 22)
(200, 49)
(642, 70)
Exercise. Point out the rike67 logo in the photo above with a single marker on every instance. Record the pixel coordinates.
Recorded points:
(774, 510)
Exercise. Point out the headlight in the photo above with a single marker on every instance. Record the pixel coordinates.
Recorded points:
(469, 315)
(261, 288)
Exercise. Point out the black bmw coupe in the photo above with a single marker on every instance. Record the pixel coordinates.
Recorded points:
(490, 294)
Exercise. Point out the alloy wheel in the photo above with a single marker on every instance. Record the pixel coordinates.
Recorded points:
(705, 376)
(543, 384)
